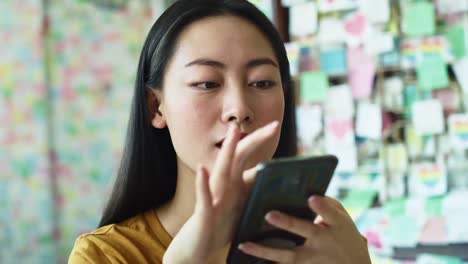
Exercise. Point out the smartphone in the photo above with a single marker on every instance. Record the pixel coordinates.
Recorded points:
(284, 185)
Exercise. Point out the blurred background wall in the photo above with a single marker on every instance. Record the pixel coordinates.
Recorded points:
(66, 78)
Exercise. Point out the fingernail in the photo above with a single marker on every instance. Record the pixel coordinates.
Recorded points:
(245, 247)
(273, 124)
(272, 217)
(311, 198)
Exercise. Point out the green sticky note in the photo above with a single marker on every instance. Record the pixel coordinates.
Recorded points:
(433, 206)
(395, 207)
(456, 38)
(418, 19)
(359, 198)
(314, 86)
(432, 73)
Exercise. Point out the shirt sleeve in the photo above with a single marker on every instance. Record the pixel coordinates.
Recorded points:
(85, 251)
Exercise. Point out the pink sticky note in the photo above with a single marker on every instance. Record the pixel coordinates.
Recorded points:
(361, 72)
(434, 231)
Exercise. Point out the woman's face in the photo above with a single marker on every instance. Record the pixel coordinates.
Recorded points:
(223, 71)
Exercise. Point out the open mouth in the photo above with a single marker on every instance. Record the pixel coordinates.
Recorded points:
(220, 143)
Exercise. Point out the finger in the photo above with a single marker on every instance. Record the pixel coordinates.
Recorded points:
(249, 176)
(298, 226)
(252, 141)
(271, 254)
(222, 166)
(328, 210)
(203, 193)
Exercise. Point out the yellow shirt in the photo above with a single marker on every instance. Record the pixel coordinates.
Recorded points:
(140, 239)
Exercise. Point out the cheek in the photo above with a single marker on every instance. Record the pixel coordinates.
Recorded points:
(271, 109)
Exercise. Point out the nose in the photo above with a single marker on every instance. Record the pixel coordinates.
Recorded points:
(237, 107)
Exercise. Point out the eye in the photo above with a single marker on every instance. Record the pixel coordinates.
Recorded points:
(206, 85)
(263, 84)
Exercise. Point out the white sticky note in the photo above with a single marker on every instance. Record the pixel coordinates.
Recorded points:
(428, 117)
(451, 6)
(356, 28)
(458, 130)
(347, 158)
(326, 6)
(378, 42)
(428, 179)
(339, 133)
(292, 51)
(369, 120)
(377, 11)
(303, 19)
(339, 102)
(309, 123)
(288, 3)
(331, 31)
(461, 69)
(393, 96)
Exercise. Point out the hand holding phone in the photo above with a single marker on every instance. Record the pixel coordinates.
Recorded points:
(283, 185)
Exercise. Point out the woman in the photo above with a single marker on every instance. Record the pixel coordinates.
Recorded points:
(212, 99)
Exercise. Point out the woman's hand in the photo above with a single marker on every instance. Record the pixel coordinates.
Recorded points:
(220, 196)
(333, 238)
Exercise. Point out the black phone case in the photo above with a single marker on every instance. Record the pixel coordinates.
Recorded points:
(283, 185)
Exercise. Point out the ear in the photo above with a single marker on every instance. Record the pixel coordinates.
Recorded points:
(155, 108)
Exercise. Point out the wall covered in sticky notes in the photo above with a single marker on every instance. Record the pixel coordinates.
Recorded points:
(394, 111)
(61, 88)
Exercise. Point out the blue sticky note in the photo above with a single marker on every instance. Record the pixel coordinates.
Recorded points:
(333, 60)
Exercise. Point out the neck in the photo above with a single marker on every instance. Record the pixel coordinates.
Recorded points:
(177, 211)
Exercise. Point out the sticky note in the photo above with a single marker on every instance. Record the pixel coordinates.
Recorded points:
(456, 38)
(427, 117)
(356, 28)
(331, 30)
(433, 206)
(418, 19)
(292, 51)
(369, 120)
(303, 19)
(314, 86)
(333, 59)
(377, 11)
(432, 73)
(395, 207)
(437, 259)
(326, 6)
(451, 6)
(458, 131)
(309, 123)
(339, 103)
(428, 179)
(361, 72)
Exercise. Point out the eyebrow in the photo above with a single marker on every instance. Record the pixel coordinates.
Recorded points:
(251, 64)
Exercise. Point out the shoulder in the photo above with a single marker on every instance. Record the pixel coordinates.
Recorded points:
(138, 239)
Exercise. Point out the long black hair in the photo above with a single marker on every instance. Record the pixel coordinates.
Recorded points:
(148, 171)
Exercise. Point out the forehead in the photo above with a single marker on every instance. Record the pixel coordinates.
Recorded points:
(224, 37)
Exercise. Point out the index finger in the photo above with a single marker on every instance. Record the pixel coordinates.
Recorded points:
(223, 164)
(250, 143)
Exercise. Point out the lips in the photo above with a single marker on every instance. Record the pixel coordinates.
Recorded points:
(219, 144)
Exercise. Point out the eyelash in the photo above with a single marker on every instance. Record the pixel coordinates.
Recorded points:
(269, 84)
